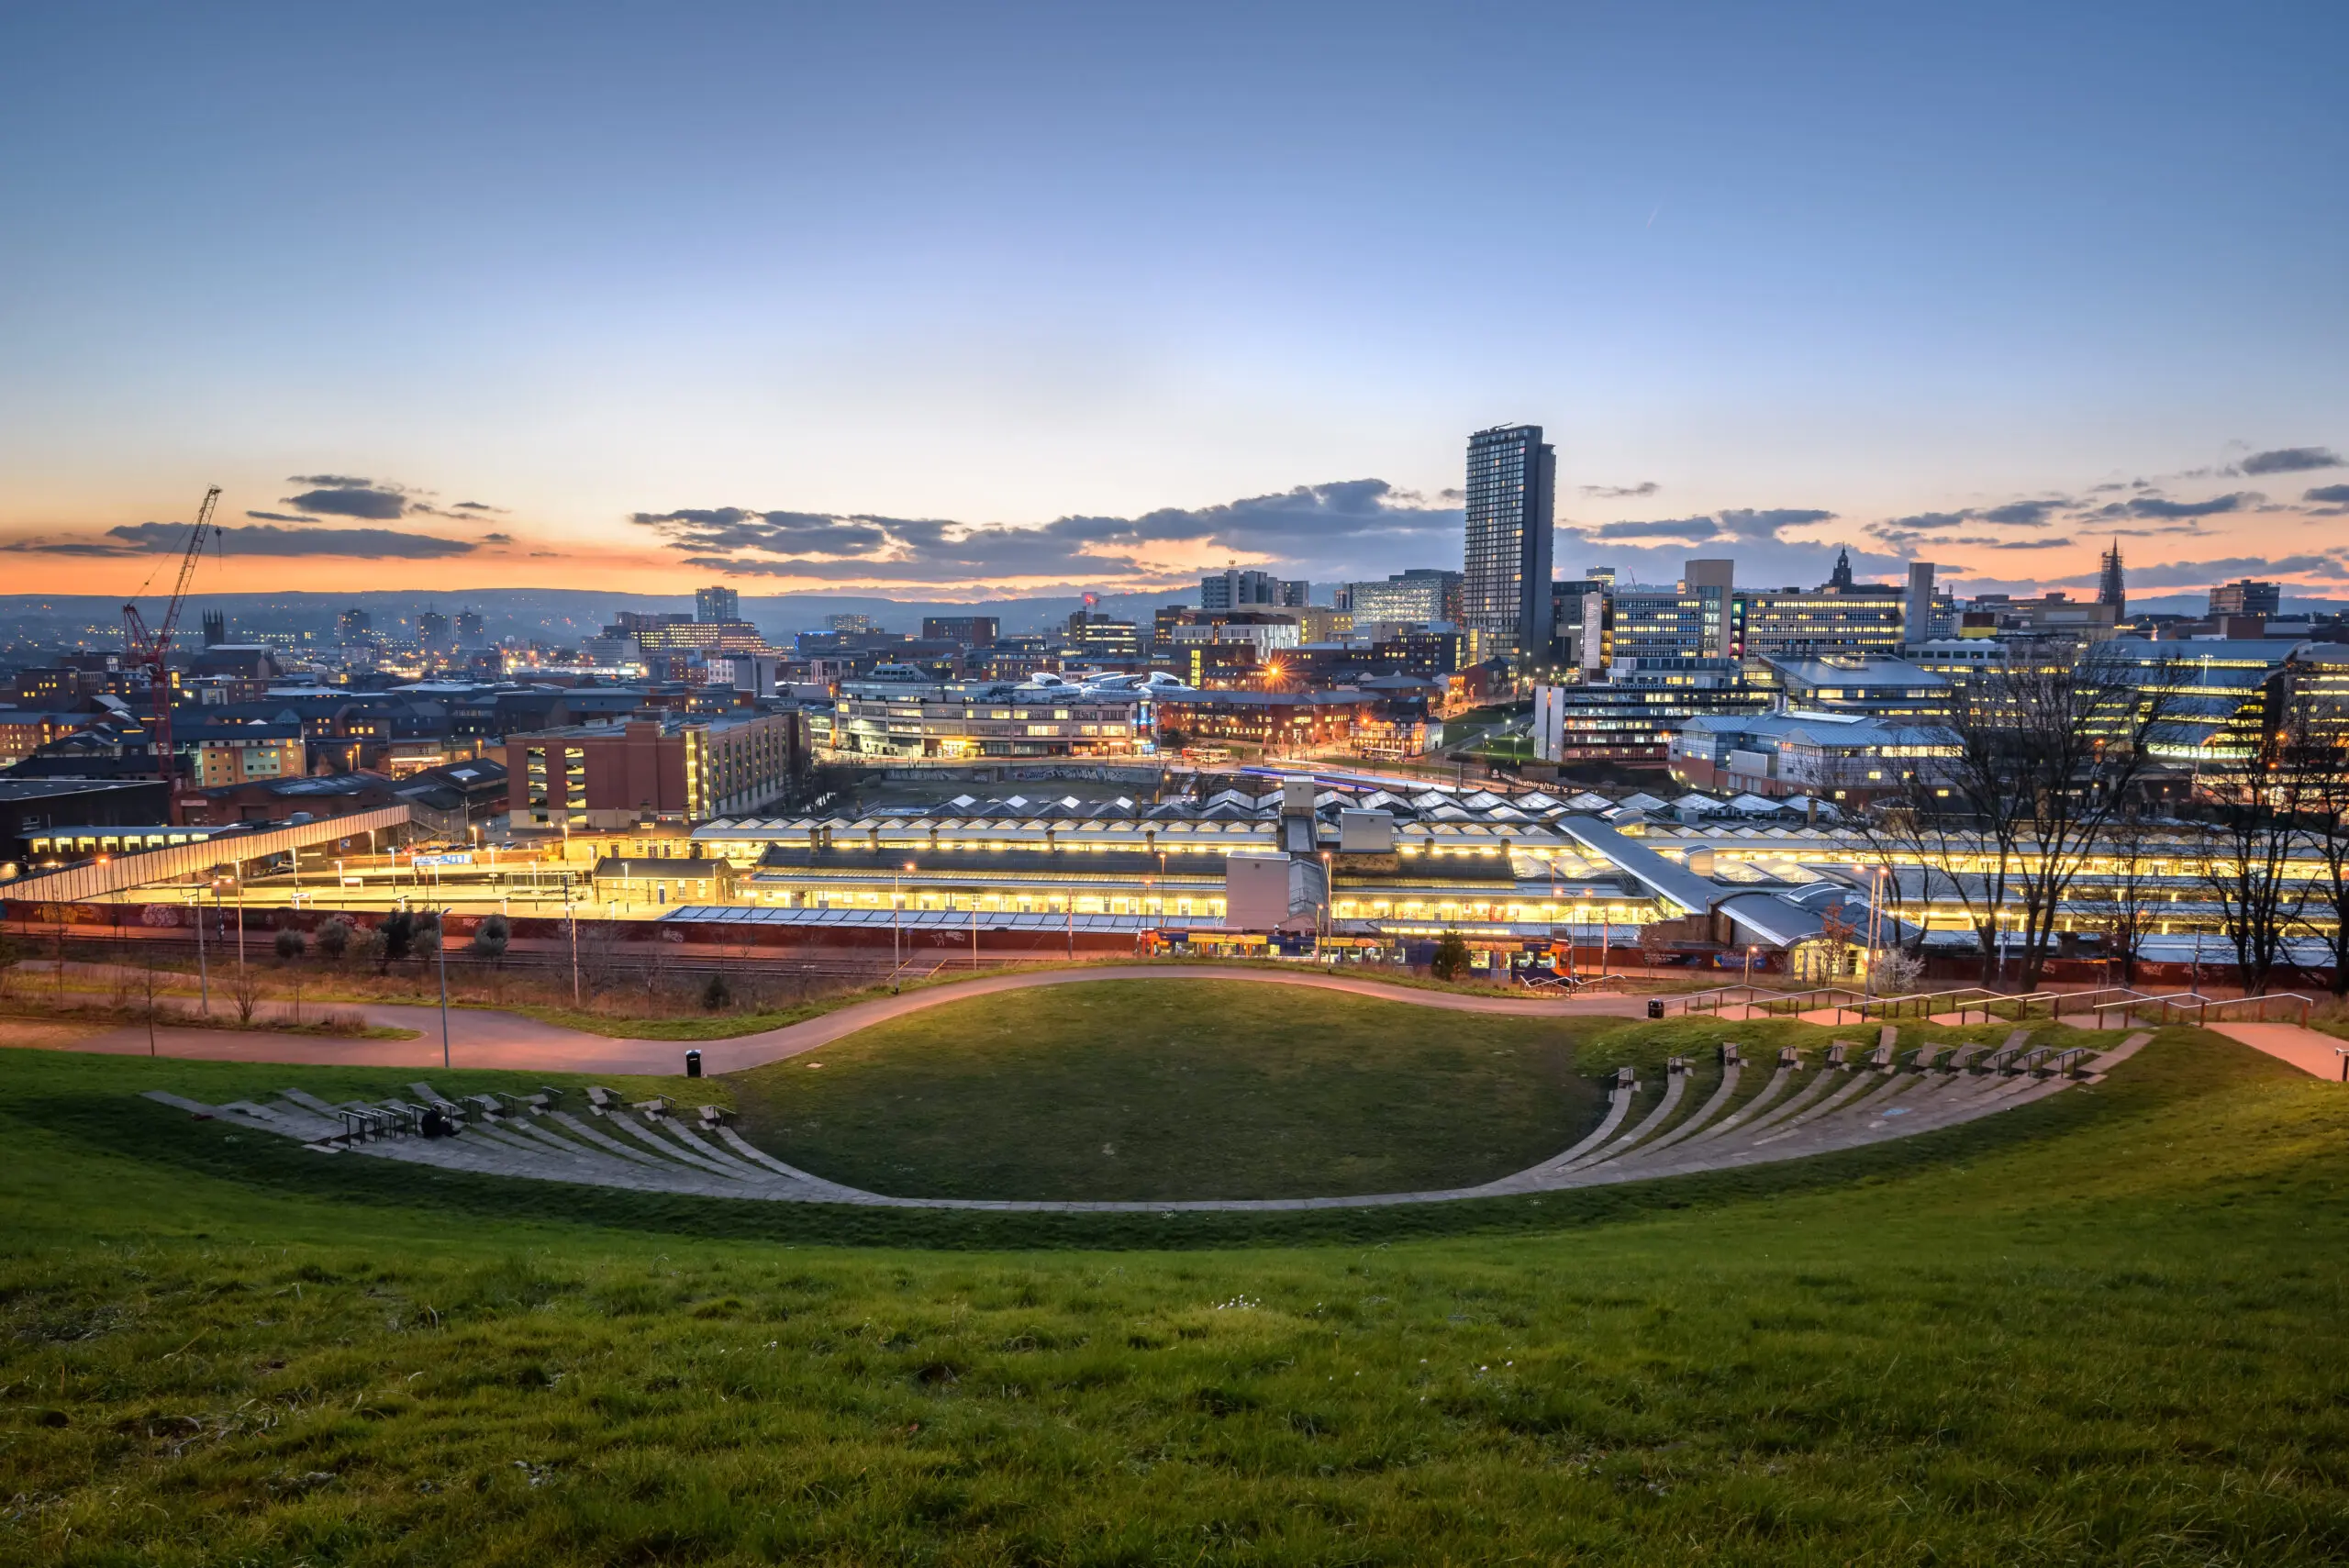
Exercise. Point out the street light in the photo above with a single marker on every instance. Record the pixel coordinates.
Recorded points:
(440, 949)
(897, 926)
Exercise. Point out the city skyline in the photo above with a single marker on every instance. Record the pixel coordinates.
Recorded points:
(1100, 304)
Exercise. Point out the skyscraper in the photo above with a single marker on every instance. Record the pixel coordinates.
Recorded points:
(2111, 587)
(1505, 591)
(716, 603)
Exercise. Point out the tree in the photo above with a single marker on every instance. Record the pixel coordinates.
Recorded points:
(333, 938)
(427, 937)
(2041, 754)
(716, 996)
(396, 936)
(2250, 811)
(1451, 960)
(491, 939)
(292, 944)
(2319, 751)
(2123, 906)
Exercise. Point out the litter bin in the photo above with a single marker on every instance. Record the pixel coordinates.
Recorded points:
(692, 1058)
(1655, 1010)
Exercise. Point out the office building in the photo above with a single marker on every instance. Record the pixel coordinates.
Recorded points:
(1504, 586)
(850, 621)
(2246, 598)
(1092, 635)
(1420, 596)
(1917, 624)
(354, 624)
(672, 768)
(1793, 621)
(970, 631)
(1234, 589)
(901, 713)
(716, 603)
(678, 635)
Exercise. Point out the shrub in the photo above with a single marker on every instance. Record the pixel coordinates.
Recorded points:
(491, 939)
(292, 944)
(333, 938)
(1451, 960)
(716, 996)
(427, 936)
(396, 937)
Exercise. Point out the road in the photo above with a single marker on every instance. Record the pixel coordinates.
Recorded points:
(483, 1038)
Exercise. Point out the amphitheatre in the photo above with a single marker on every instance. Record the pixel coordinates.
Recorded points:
(1054, 1264)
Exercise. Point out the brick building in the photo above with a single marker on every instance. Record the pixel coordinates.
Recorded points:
(678, 767)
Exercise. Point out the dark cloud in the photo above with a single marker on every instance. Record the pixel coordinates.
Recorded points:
(364, 544)
(330, 481)
(2201, 573)
(1746, 522)
(2332, 495)
(1662, 528)
(352, 501)
(67, 547)
(1923, 522)
(1323, 527)
(2292, 460)
(281, 518)
(475, 506)
(2015, 543)
(2152, 507)
(497, 539)
(1622, 492)
(2024, 514)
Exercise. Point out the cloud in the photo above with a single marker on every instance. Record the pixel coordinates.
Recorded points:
(1314, 530)
(2201, 573)
(475, 506)
(352, 501)
(328, 481)
(1621, 492)
(2292, 460)
(1746, 522)
(67, 546)
(1690, 528)
(2149, 506)
(281, 518)
(2024, 514)
(364, 544)
(2334, 495)
(497, 539)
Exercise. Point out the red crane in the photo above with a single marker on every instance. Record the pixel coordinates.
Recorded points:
(151, 651)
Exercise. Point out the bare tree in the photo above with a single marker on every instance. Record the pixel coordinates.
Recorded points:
(2317, 747)
(2125, 902)
(2250, 811)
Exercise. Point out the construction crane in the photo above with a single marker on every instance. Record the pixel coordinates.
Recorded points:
(151, 651)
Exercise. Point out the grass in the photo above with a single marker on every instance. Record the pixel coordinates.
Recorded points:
(2097, 1330)
(1139, 1091)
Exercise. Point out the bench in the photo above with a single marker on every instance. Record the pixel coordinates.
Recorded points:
(603, 1099)
(1922, 1058)
(1730, 1057)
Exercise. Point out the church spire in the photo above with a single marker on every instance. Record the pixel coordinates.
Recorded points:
(1842, 578)
(2111, 587)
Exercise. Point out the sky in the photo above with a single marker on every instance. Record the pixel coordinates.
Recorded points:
(973, 301)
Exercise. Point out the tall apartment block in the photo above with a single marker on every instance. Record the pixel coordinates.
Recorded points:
(1504, 586)
(1233, 589)
(716, 603)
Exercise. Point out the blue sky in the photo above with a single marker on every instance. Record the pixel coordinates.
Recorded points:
(855, 297)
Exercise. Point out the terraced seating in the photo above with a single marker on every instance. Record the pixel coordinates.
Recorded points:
(1797, 1113)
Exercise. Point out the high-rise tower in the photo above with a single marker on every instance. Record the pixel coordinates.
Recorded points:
(1505, 588)
(2111, 586)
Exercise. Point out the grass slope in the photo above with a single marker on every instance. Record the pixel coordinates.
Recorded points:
(2095, 1330)
(1142, 1091)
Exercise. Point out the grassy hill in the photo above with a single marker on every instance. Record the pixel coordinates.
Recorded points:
(2102, 1329)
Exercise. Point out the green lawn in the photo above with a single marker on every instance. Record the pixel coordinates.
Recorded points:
(2104, 1329)
(1143, 1091)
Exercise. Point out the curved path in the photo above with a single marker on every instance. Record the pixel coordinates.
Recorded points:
(481, 1038)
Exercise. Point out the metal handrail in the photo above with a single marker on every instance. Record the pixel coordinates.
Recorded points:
(1923, 1002)
(2202, 1015)
(2184, 1001)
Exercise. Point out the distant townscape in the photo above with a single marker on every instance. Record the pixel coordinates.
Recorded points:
(1504, 749)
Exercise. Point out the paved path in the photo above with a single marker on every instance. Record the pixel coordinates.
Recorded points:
(2304, 1048)
(483, 1038)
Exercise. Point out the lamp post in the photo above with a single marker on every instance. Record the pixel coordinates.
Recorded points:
(897, 927)
(441, 951)
(203, 974)
(571, 914)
